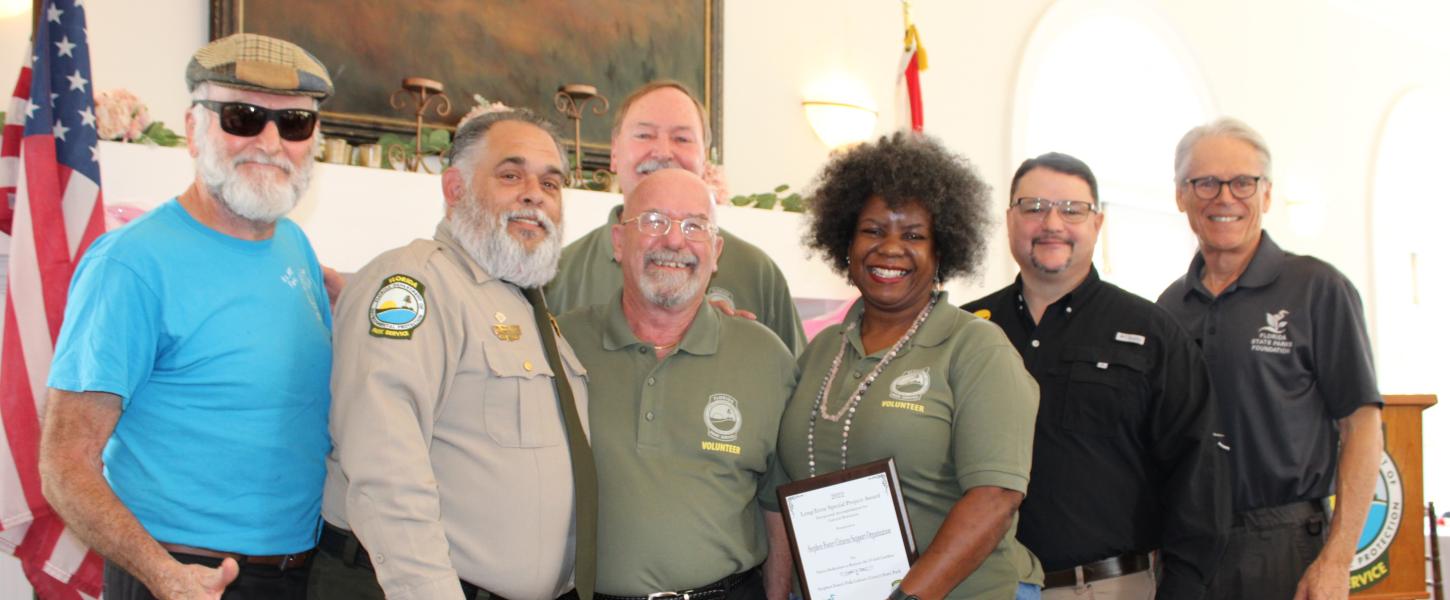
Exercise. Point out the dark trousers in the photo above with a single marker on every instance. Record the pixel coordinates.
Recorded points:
(1268, 551)
(254, 582)
(338, 577)
(750, 589)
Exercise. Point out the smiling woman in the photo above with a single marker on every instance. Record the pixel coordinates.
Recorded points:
(957, 408)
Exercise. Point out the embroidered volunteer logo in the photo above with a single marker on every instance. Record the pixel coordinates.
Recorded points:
(1273, 338)
(907, 389)
(722, 423)
(398, 308)
(719, 295)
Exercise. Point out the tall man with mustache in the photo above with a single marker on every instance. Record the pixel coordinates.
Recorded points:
(661, 125)
(460, 448)
(685, 404)
(187, 421)
(1126, 471)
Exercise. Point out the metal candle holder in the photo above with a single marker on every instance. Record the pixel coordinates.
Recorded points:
(424, 91)
(571, 100)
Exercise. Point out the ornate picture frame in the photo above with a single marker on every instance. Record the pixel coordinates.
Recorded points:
(515, 52)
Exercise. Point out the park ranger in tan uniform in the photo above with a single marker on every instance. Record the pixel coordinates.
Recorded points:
(685, 404)
(452, 473)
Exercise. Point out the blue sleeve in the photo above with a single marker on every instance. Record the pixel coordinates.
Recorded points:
(111, 334)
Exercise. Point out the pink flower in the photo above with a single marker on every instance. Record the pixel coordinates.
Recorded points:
(120, 115)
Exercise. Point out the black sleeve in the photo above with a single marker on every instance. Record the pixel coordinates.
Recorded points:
(1343, 367)
(1194, 469)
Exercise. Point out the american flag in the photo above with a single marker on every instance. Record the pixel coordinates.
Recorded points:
(50, 179)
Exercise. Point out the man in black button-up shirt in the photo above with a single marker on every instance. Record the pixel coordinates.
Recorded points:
(1125, 461)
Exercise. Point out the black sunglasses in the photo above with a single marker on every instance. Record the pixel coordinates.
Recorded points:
(247, 120)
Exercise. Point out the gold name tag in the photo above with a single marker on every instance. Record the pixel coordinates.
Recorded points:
(507, 333)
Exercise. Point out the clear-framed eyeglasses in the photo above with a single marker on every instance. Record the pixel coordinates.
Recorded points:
(654, 224)
(1208, 187)
(1071, 211)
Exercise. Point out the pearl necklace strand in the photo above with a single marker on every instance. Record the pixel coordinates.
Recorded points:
(848, 410)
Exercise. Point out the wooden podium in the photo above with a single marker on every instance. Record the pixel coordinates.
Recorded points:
(1390, 563)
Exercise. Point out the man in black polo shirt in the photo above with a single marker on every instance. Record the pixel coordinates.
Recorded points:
(1285, 341)
(1124, 461)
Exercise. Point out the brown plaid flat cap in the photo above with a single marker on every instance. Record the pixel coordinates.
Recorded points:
(259, 63)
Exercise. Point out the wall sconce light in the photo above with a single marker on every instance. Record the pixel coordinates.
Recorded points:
(839, 124)
(14, 8)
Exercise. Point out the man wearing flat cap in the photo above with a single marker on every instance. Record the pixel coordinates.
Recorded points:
(194, 356)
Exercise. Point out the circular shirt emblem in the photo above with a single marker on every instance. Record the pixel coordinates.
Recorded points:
(722, 417)
(719, 295)
(911, 385)
(1371, 557)
(398, 306)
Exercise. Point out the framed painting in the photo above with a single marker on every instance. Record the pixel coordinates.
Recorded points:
(518, 52)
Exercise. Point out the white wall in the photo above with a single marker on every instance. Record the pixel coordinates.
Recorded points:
(1315, 76)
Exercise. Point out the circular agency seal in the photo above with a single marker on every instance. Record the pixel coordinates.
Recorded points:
(1371, 563)
(722, 417)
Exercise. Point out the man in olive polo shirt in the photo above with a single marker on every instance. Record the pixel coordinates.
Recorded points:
(685, 405)
(661, 125)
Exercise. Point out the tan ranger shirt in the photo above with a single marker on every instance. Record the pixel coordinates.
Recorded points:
(451, 459)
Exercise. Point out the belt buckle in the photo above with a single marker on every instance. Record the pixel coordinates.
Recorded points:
(291, 561)
(668, 595)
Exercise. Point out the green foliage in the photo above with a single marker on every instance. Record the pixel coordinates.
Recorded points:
(158, 134)
(768, 200)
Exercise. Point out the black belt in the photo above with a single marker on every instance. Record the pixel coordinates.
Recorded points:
(715, 590)
(345, 545)
(1292, 513)
(1107, 568)
(341, 542)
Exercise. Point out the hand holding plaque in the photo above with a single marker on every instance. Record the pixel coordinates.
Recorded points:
(849, 532)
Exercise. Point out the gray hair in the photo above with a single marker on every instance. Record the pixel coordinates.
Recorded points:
(468, 140)
(1223, 126)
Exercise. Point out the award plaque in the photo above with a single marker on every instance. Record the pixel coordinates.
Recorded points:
(849, 532)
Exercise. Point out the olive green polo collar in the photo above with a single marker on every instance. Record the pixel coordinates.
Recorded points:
(456, 253)
(937, 328)
(604, 244)
(702, 338)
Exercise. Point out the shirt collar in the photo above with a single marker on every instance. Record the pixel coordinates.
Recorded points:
(1263, 268)
(1075, 298)
(702, 337)
(933, 332)
(604, 244)
(457, 254)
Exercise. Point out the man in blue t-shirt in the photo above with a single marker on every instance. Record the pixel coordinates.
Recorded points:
(196, 350)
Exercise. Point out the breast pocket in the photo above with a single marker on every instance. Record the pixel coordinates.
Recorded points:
(520, 408)
(1104, 389)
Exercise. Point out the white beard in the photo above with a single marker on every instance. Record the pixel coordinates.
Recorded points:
(484, 236)
(258, 200)
(668, 289)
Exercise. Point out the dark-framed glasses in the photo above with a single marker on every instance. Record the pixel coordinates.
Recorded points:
(1208, 187)
(654, 224)
(247, 120)
(1071, 211)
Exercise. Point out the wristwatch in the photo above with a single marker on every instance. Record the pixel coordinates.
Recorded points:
(897, 594)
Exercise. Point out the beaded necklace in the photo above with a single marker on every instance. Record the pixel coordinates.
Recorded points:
(848, 410)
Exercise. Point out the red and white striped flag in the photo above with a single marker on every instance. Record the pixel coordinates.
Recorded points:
(50, 178)
(913, 62)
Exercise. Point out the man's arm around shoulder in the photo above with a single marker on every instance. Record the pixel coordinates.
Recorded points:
(76, 427)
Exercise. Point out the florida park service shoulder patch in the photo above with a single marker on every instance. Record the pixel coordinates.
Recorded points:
(398, 308)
